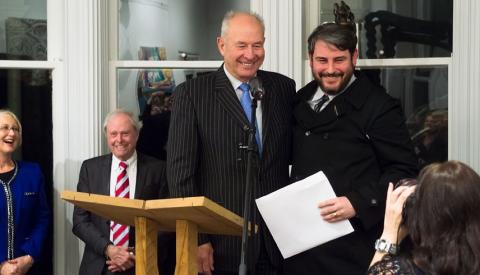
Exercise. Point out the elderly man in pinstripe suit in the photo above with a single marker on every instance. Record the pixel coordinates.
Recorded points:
(207, 126)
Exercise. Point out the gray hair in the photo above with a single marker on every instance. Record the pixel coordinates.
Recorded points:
(341, 36)
(133, 120)
(12, 115)
(231, 14)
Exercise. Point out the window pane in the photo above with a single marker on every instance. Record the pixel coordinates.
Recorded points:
(149, 94)
(164, 29)
(23, 30)
(396, 28)
(28, 93)
(424, 96)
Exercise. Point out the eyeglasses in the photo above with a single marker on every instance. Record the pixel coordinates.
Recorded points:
(7, 128)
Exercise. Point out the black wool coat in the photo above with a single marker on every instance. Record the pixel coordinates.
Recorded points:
(361, 143)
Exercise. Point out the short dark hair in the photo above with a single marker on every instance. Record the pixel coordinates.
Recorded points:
(444, 221)
(341, 36)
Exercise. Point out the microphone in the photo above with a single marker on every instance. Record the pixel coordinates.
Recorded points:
(257, 88)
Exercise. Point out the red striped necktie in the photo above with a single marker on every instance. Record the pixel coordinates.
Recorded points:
(122, 190)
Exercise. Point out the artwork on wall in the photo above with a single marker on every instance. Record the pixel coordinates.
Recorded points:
(155, 86)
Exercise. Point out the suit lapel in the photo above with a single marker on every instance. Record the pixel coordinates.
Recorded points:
(267, 102)
(104, 188)
(141, 177)
(227, 97)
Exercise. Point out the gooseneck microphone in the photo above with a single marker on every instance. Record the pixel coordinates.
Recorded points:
(257, 92)
(257, 88)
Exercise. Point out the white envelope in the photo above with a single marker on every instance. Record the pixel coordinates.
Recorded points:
(293, 217)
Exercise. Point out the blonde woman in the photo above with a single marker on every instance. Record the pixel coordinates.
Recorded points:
(24, 213)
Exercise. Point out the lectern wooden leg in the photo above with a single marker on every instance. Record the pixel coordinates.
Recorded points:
(146, 235)
(187, 243)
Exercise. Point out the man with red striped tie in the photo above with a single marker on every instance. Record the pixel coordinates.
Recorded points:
(124, 173)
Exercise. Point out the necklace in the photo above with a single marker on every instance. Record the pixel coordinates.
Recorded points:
(11, 225)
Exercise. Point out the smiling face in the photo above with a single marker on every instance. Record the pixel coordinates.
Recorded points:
(10, 134)
(331, 67)
(242, 46)
(121, 136)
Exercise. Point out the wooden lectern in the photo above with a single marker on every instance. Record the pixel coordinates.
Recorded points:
(185, 216)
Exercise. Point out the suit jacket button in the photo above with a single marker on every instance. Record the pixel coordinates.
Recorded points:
(373, 202)
(325, 136)
(307, 133)
(239, 159)
(246, 127)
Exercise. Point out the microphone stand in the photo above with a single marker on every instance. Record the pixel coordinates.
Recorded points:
(251, 148)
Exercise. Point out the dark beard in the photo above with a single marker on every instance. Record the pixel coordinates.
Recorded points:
(343, 83)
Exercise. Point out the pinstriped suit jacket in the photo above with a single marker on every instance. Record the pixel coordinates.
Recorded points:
(203, 155)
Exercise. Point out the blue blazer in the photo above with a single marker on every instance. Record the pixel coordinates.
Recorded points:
(30, 210)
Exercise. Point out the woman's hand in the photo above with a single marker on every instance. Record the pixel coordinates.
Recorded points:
(17, 266)
(393, 210)
(393, 216)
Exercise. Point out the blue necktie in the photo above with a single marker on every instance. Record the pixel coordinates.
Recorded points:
(246, 102)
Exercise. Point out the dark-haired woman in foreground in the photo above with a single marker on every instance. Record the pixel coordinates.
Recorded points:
(443, 221)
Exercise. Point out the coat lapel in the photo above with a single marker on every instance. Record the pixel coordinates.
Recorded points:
(104, 188)
(267, 102)
(227, 97)
(141, 177)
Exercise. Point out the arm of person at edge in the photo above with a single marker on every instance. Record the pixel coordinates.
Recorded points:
(392, 231)
(394, 152)
(182, 163)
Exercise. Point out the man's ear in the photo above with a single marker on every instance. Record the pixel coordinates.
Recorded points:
(355, 57)
(221, 45)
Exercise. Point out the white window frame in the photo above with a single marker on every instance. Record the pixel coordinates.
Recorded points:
(84, 69)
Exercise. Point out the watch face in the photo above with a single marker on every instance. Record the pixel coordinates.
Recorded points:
(382, 246)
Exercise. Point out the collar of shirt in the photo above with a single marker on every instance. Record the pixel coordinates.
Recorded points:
(235, 83)
(131, 161)
(319, 93)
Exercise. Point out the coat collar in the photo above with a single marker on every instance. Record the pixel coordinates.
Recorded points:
(106, 167)
(141, 176)
(353, 98)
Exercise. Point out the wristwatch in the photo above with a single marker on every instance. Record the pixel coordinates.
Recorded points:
(383, 245)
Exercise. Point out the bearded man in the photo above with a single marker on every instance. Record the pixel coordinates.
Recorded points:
(355, 133)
